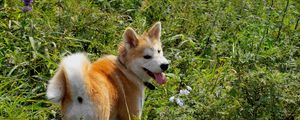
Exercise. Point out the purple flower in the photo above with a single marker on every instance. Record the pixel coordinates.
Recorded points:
(27, 2)
(26, 8)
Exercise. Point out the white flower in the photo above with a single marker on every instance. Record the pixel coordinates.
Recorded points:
(184, 92)
(179, 101)
(218, 93)
(171, 99)
(189, 88)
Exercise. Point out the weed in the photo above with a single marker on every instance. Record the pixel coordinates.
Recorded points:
(242, 58)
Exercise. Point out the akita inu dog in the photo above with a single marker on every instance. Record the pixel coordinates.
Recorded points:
(113, 86)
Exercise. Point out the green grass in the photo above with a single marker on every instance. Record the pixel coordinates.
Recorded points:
(241, 57)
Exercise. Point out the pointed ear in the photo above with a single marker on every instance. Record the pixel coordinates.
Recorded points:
(155, 30)
(130, 37)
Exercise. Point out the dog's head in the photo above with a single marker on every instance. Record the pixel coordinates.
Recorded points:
(143, 54)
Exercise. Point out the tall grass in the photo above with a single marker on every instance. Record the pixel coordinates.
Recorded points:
(241, 57)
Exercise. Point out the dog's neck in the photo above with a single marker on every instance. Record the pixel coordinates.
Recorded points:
(145, 83)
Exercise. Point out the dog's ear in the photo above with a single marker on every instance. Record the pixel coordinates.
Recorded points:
(130, 37)
(154, 31)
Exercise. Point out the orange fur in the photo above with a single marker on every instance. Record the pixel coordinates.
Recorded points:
(112, 77)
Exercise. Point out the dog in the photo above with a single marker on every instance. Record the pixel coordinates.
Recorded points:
(112, 87)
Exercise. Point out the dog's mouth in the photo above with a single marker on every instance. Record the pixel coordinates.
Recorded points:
(159, 77)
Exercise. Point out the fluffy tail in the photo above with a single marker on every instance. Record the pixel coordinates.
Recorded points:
(68, 78)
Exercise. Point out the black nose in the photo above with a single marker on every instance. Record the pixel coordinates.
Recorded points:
(164, 66)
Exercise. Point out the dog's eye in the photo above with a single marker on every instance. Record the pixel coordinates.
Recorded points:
(158, 51)
(147, 57)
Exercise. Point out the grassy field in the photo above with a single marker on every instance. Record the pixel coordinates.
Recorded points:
(240, 57)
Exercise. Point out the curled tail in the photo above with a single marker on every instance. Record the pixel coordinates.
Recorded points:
(69, 77)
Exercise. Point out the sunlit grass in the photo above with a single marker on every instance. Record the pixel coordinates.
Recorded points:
(241, 58)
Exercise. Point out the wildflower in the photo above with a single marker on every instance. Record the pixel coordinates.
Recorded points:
(179, 101)
(189, 88)
(218, 93)
(171, 99)
(27, 4)
(184, 92)
(26, 8)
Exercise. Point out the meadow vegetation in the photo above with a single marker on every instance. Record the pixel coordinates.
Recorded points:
(240, 57)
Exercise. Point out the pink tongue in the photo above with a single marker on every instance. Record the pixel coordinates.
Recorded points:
(160, 78)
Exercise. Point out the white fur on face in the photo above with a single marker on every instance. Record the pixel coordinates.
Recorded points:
(152, 64)
(136, 67)
(156, 60)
